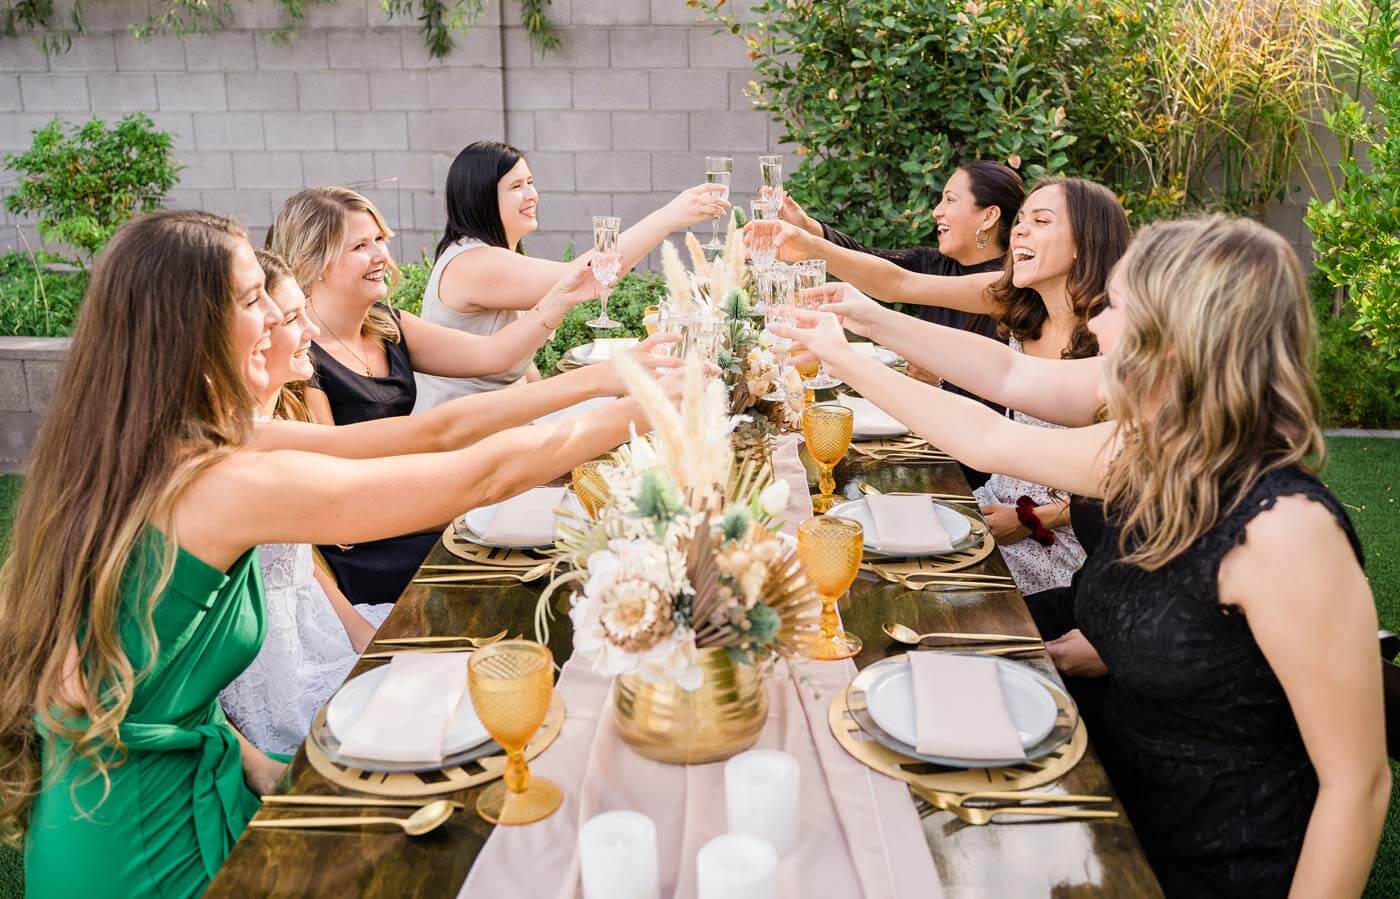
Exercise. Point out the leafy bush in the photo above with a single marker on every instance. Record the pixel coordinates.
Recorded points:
(1357, 389)
(85, 185)
(36, 302)
(408, 296)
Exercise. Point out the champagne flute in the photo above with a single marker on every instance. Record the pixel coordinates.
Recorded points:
(511, 683)
(826, 429)
(669, 321)
(718, 170)
(812, 273)
(770, 170)
(606, 264)
(764, 214)
(830, 551)
(779, 303)
(590, 487)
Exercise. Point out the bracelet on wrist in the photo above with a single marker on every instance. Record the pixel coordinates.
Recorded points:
(1025, 513)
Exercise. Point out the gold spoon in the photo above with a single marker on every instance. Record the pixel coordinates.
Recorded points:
(441, 638)
(903, 634)
(429, 817)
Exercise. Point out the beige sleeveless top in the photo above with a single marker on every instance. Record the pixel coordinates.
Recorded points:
(434, 390)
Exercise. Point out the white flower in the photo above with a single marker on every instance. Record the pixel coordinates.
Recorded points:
(774, 498)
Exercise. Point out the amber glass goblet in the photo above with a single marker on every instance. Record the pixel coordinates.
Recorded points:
(511, 683)
(830, 551)
(590, 487)
(826, 428)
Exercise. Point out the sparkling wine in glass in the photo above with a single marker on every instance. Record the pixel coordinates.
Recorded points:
(779, 302)
(770, 171)
(830, 551)
(511, 683)
(763, 229)
(812, 273)
(718, 170)
(606, 263)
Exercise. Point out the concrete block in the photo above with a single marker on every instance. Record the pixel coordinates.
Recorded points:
(306, 51)
(614, 171)
(648, 48)
(159, 53)
(415, 244)
(520, 130)
(526, 89)
(261, 91)
(611, 90)
(580, 48)
(87, 53)
(113, 15)
(186, 199)
(673, 12)
(414, 170)
(688, 90)
(333, 90)
(550, 244)
(553, 172)
(347, 14)
(299, 130)
(742, 91)
(613, 12)
(9, 94)
(573, 131)
(465, 89)
(376, 50)
(633, 207)
(228, 131)
(676, 172)
(22, 55)
(43, 349)
(560, 12)
(370, 131)
(429, 216)
(180, 124)
(480, 47)
(395, 205)
(729, 132)
(251, 208)
(207, 171)
(569, 212)
(54, 93)
(271, 170)
(191, 93)
(399, 90)
(14, 395)
(710, 49)
(221, 51)
(449, 132)
(650, 131)
(259, 17)
(17, 433)
(336, 167)
(121, 93)
(40, 377)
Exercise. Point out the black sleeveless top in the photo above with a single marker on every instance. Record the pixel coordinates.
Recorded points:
(1197, 734)
(377, 571)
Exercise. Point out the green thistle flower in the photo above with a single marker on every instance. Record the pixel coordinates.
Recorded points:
(764, 624)
(658, 499)
(735, 523)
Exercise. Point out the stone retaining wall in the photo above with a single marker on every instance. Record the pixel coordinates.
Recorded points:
(28, 371)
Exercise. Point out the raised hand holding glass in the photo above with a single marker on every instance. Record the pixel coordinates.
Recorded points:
(606, 264)
(718, 170)
(812, 273)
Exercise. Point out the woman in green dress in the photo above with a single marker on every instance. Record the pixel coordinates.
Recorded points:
(132, 594)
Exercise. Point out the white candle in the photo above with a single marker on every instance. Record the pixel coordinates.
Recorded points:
(617, 857)
(737, 866)
(763, 795)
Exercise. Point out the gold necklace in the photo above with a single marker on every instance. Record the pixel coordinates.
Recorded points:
(363, 360)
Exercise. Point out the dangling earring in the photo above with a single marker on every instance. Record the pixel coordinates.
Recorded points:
(981, 240)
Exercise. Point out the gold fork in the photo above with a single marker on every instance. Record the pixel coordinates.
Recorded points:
(442, 638)
(979, 815)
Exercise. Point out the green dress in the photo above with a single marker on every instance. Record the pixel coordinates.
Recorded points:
(178, 803)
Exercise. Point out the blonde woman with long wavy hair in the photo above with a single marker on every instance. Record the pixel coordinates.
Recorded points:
(1226, 603)
(131, 593)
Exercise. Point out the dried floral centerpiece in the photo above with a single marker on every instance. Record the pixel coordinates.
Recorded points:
(681, 587)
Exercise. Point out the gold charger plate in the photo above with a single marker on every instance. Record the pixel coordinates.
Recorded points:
(489, 556)
(910, 571)
(430, 783)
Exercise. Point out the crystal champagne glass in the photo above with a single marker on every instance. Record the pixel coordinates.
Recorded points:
(770, 171)
(779, 304)
(812, 273)
(606, 264)
(668, 321)
(590, 487)
(718, 170)
(830, 551)
(511, 683)
(764, 228)
(826, 429)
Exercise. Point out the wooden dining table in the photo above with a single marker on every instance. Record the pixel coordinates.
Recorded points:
(1052, 858)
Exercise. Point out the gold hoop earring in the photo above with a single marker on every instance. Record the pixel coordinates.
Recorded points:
(981, 240)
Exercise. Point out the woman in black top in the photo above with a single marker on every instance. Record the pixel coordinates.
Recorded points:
(1225, 603)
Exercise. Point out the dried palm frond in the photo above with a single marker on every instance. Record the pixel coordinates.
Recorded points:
(785, 592)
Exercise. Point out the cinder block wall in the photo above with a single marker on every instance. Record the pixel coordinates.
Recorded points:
(614, 122)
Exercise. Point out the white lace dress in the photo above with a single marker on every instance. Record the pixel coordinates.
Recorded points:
(304, 657)
(1034, 567)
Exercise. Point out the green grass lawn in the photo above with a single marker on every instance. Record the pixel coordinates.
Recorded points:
(1364, 473)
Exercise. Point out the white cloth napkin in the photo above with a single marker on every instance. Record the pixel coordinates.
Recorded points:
(527, 519)
(959, 709)
(405, 719)
(870, 419)
(906, 524)
(604, 348)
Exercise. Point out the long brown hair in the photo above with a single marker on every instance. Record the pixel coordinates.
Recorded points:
(291, 397)
(149, 396)
(1101, 235)
(1219, 334)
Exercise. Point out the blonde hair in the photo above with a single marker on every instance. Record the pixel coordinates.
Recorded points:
(308, 234)
(151, 394)
(291, 398)
(1219, 334)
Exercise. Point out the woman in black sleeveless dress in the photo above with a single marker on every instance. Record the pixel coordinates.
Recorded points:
(1225, 601)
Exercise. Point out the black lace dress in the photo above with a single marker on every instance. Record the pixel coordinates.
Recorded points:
(1197, 733)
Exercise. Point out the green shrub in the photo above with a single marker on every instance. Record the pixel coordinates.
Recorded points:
(408, 296)
(86, 184)
(1357, 388)
(36, 302)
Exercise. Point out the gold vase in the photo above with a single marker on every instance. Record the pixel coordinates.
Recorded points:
(720, 718)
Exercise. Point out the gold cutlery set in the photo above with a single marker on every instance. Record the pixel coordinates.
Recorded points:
(442, 643)
(476, 572)
(1009, 807)
(426, 816)
(982, 644)
(909, 448)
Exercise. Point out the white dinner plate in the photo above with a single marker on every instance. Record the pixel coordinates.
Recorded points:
(882, 355)
(472, 525)
(890, 700)
(588, 354)
(464, 730)
(576, 409)
(957, 526)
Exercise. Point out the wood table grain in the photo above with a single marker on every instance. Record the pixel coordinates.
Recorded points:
(1061, 859)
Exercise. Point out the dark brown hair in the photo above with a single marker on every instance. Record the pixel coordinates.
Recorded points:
(995, 184)
(1101, 234)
